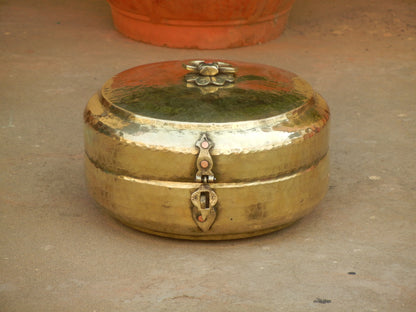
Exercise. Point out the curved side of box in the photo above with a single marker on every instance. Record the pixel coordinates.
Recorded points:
(244, 209)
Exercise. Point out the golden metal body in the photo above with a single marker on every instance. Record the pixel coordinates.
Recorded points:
(269, 171)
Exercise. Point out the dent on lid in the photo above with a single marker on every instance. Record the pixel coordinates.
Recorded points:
(160, 90)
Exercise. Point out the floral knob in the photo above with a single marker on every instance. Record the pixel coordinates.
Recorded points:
(209, 73)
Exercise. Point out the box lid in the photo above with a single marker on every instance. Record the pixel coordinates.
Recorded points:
(264, 122)
(212, 92)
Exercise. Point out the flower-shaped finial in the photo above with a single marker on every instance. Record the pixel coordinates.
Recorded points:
(206, 73)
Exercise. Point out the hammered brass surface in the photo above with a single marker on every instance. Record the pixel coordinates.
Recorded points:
(269, 172)
(243, 210)
(160, 91)
(167, 151)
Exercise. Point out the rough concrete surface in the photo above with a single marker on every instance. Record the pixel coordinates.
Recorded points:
(59, 252)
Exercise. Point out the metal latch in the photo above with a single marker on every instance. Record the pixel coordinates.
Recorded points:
(204, 198)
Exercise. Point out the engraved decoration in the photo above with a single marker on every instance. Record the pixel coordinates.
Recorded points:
(206, 74)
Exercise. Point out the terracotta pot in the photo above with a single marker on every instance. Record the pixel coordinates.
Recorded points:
(213, 24)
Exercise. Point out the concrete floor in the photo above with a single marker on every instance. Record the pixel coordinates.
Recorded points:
(59, 252)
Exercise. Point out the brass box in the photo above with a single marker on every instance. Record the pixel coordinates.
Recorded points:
(207, 150)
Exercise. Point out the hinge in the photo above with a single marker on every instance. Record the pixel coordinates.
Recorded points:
(204, 162)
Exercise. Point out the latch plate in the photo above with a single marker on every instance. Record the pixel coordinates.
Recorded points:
(204, 198)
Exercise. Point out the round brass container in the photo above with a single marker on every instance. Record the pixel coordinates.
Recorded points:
(230, 150)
